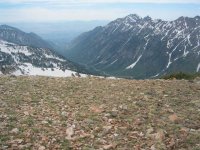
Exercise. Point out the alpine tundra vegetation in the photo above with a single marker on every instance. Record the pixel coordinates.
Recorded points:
(94, 113)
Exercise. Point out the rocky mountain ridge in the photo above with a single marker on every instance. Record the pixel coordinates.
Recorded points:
(140, 47)
(14, 35)
(27, 54)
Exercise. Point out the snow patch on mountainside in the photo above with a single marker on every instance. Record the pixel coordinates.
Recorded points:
(54, 57)
(29, 69)
(10, 48)
(170, 54)
(114, 61)
(25, 60)
(134, 64)
(198, 67)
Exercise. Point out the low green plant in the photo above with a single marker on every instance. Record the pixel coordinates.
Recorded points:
(181, 75)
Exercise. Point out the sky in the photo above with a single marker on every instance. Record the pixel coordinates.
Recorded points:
(17, 11)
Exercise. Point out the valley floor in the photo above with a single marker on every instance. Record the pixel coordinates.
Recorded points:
(93, 113)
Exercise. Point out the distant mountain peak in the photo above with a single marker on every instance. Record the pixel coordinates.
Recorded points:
(197, 17)
(134, 16)
(27, 54)
(147, 18)
(17, 36)
(6, 27)
(141, 47)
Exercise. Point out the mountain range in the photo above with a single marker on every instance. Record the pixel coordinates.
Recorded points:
(129, 47)
(137, 47)
(28, 54)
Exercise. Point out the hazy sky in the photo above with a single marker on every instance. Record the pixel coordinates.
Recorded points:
(65, 10)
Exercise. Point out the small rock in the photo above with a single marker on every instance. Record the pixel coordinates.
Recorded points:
(44, 122)
(19, 141)
(26, 113)
(113, 113)
(153, 147)
(123, 107)
(149, 132)
(160, 135)
(110, 146)
(41, 148)
(146, 97)
(141, 134)
(112, 121)
(15, 131)
(70, 132)
(106, 130)
(64, 113)
(114, 109)
(107, 115)
(53, 140)
(170, 110)
(192, 130)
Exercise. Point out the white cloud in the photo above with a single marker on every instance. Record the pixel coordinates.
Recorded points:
(140, 1)
(47, 15)
(98, 1)
(50, 10)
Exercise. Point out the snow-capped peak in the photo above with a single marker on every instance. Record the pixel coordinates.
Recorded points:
(143, 47)
(134, 17)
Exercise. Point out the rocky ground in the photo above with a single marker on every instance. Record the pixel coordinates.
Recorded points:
(99, 114)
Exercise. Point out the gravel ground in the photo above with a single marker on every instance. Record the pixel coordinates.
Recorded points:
(99, 114)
